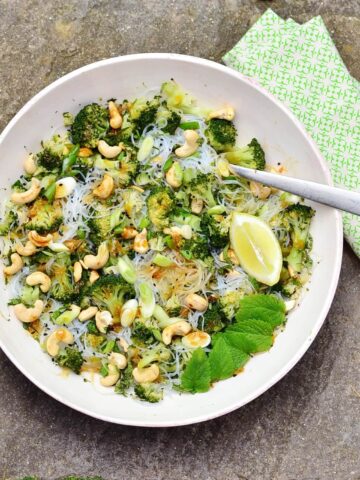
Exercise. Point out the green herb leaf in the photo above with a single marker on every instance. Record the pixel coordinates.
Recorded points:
(221, 360)
(248, 342)
(196, 376)
(267, 308)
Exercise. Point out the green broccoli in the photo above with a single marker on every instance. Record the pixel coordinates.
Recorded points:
(49, 160)
(295, 260)
(216, 228)
(90, 125)
(298, 218)
(149, 392)
(230, 302)
(62, 286)
(184, 217)
(110, 292)
(290, 286)
(201, 187)
(44, 216)
(126, 380)
(160, 203)
(143, 112)
(102, 221)
(172, 118)
(214, 318)
(9, 222)
(71, 358)
(251, 156)
(176, 97)
(157, 354)
(143, 334)
(197, 248)
(221, 134)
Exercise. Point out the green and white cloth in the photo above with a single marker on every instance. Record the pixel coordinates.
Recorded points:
(301, 66)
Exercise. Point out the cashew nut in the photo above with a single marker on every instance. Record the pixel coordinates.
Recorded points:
(28, 315)
(88, 313)
(26, 197)
(118, 359)
(58, 336)
(64, 187)
(106, 187)
(85, 152)
(107, 151)
(190, 146)
(226, 113)
(30, 164)
(111, 378)
(93, 276)
(115, 117)
(129, 312)
(77, 271)
(197, 205)
(123, 344)
(129, 233)
(27, 250)
(174, 175)
(146, 375)
(103, 320)
(196, 339)
(38, 240)
(141, 244)
(196, 302)
(185, 231)
(97, 261)
(259, 190)
(180, 328)
(39, 278)
(16, 264)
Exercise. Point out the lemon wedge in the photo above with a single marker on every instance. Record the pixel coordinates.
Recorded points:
(256, 248)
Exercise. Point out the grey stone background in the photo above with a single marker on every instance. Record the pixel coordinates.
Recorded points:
(307, 426)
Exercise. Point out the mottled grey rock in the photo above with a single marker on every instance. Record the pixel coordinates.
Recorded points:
(307, 426)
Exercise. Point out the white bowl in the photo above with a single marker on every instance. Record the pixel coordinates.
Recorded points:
(284, 139)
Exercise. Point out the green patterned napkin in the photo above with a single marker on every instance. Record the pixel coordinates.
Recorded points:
(301, 66)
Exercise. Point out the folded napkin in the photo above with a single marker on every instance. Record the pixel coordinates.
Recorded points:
(301, 66)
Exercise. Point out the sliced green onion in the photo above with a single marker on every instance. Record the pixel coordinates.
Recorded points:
(145, 148)
(68, 316)
(108, 346)
(216, 210)
(162, 261)
(161, 316)
(70, 159)
(126, 269)
(189, 126)
(144, 222)
(50, 192)
(147, 300)
(142, 179)
(167, 164)
(115, 218)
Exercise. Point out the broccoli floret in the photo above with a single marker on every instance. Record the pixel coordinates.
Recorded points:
(250, 156)
(172, 118)
(157, 354)
(110, 292)
(160, 202)
(90, 125)
(221, 134)
(94, 340)
(126, 380)
(133, 202)
(143, 113)
(71, 358)
(197, 248)
(149, 392)
(295, 260)
(298, 218)
(290, 286)
(214, 318)
(49, 160)
(230, 302)
(216, 228)
(62, 286)
(202, 187)
(183, 217)
(143, 334)
(44, 216)
(9, 222)
(178, 98)
(101, 223)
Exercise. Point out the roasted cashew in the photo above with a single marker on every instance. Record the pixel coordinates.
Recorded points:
(77, 271)
(93, 276)
(196, 302)
(30, 164)
(141, 244)
(174, 175)
(196, 339)
(26, 250)
(38, 240)
(226, 113)
(39, 278)
(107, 151)
(129, 312)
(123, 344)
(28, 315)
(128, 233)
(26, 197)
(103, 320)
(88, 313)
(58, 336)
(180, 328)
(112, 377)
(106, 187)
(118, 359)
(115, 117)
(64, 187)
(260, 191)
(190, 146)
(97, 261)
(197, 205)
(16, 264)
(146, 375)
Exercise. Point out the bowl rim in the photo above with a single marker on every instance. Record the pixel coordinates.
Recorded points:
(337, 261)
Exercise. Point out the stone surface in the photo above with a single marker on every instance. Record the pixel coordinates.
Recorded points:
(307, 426)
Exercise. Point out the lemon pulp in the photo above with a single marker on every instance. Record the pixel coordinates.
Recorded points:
(256, 248)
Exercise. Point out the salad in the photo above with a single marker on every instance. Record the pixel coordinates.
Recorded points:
(136, 258)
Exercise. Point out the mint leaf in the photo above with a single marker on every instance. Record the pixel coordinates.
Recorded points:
(267, 308)
(196, 376)
(221, 360)
(249, 342)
